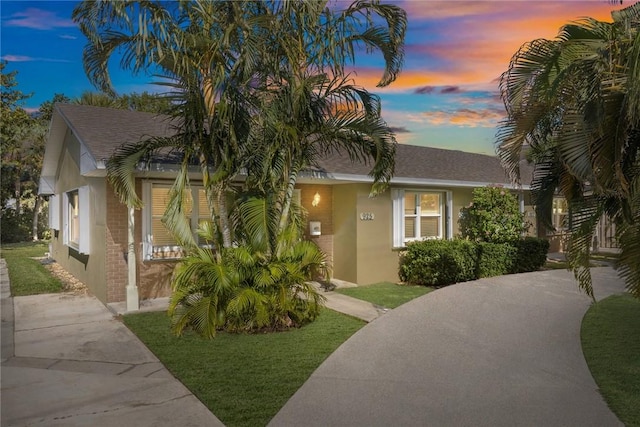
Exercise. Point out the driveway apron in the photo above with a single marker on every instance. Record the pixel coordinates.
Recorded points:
(500, 351)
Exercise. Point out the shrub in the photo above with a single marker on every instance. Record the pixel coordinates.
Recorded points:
(495, 259)
(260, 284)
(531, 254)
(493, 216)
(438, 262)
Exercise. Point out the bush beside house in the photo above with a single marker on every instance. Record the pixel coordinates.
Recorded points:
(445, 262)
(438, 262)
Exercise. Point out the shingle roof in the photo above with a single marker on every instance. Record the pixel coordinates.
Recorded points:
(429, 163)
(103, 130)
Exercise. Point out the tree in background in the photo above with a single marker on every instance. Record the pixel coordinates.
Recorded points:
(575, 101)
(21, 136)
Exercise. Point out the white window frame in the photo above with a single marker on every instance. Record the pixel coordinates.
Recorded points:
(398, 199)
(83, 243)
(164, 252)
(559, 215)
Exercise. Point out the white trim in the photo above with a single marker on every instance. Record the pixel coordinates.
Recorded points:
(65, 218)
(47, 185)
(84, 217)
(83, 245)
(397, 196)
(449, 214)
(147, 236)
(87, 163)
(54, 212)
(133, 299)
(148, 248)
(445, 225)
(423, 181)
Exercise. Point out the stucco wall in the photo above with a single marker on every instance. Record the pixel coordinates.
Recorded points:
(89, 269)
(345, 233)
(363, 250)
(377, 261)
(323, 213)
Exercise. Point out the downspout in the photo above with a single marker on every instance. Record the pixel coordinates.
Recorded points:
(133, 302)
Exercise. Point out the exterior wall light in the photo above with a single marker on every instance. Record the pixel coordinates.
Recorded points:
(316, 200)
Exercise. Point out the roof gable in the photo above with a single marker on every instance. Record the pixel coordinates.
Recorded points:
(102, 130)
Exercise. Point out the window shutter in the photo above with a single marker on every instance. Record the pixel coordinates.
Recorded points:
(54, 212)
(398, 217)
(84, 201)
(449, 215)
(65, 218)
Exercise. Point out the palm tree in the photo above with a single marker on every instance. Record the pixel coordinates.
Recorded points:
(201, 47)
(575, 103)
(256, 86)
(226, 59)
(310, 106)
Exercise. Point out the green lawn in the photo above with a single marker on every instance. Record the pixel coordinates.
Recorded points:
(244, 379)
(611, 346)
(27, 275)
(386, 294)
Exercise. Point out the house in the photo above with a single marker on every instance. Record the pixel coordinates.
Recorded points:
(95, 236)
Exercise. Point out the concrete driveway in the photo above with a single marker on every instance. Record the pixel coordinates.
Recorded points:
(502, 351)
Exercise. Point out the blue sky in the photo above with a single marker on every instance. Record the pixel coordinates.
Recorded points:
(446, 97)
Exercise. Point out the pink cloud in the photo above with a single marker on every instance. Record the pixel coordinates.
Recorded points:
(38, 19)
(464, 117)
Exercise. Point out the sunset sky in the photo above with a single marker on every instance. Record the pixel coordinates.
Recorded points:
(447, 95)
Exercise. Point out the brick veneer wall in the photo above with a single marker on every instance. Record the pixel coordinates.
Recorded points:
(116, 242)
(153, 277)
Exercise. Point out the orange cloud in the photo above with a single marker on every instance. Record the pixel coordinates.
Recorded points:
(471, 43)
(369, 77)
(517, 9)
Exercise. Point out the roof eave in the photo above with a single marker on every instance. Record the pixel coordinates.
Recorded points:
(354, 178)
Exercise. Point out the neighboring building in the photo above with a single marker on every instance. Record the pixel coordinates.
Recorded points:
(361, 235)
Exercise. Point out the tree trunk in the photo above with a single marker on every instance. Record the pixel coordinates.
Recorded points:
(286, 206)
(17, 192)
(36, 215)
(223, 211)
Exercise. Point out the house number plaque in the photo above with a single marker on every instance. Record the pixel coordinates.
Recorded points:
(367, 216)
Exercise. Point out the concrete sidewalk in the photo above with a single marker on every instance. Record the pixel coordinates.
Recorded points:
(501, 351)
(66, 361)
(341, 303)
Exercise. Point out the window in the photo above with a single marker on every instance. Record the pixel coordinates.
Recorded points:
(74, 217)
(158, 242)
(559, 213)
(77, 218)
(420, 215)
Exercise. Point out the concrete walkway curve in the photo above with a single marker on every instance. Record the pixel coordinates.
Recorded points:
(501, 351)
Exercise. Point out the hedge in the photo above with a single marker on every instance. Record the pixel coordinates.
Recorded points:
(495, 259)
(444, 262)
(438, 262)
(531, 254)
